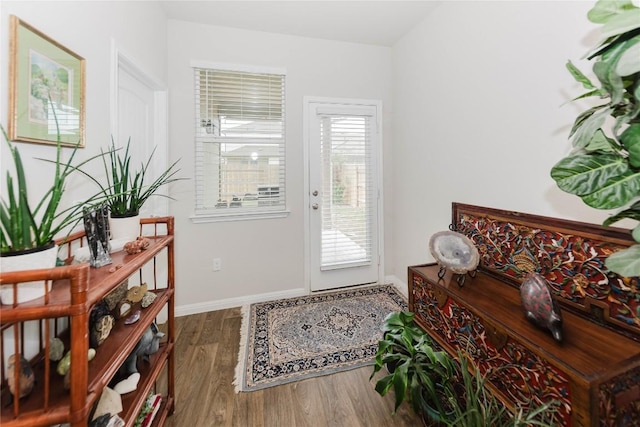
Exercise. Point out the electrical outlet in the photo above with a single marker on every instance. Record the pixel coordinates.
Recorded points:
(217, 264)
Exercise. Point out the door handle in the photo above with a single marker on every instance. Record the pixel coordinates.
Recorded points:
(314, 206)
(315, 192)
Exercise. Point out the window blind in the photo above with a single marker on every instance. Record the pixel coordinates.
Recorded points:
(347, 195)
(240, 141)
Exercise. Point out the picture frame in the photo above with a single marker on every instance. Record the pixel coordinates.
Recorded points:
(46, 89)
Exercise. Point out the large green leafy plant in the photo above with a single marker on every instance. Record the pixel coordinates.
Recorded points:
(604, 167)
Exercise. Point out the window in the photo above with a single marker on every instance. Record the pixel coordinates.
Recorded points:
(240, 143)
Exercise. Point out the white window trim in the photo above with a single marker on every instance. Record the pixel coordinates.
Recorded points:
(203, 217)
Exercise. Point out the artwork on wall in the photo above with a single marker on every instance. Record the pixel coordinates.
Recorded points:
(46, 89)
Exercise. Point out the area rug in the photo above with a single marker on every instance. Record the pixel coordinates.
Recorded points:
(293, 339)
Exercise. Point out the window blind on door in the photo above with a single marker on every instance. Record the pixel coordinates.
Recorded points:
(346, 190)
(240, 141)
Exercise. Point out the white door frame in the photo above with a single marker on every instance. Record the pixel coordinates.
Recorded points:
(123, 62)
(307, 100)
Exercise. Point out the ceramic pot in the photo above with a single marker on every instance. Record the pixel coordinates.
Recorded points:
(125, 228)
(32, 259)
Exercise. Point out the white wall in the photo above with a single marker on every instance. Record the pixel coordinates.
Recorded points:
(138, 29)
(258, 256)
(479, 89)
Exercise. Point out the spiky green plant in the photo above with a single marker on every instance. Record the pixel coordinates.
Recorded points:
(604, 168)
(473, 405)
(125, 191)
(25, 226)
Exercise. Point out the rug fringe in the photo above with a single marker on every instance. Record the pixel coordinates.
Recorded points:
(238, 377)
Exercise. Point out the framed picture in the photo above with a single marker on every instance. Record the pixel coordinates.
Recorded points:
(46, 89)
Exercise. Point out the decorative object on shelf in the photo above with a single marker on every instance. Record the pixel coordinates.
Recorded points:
(110, 402)
(26, 377)
(456, 252)
(100, 324)
(122, 309)
(101, 421)
(125, 190)
(133, 318)
(148, 299)
(96, 226)
(127, 385)
(149, 344)
(136, 246)
(115, 296)
(540, 306)
(67, 377)
(604, 167)
(45, 77)
(65, 363)
(56, 349)
(136, 293)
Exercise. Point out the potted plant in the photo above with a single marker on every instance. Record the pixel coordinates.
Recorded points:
(417, 372)
(126, 191)
(604, 167)
(27, 229)
(443, 390)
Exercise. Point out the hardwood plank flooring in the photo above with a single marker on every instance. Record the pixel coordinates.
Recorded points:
(206, 355)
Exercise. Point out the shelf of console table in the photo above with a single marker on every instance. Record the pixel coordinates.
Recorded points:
(485, 318)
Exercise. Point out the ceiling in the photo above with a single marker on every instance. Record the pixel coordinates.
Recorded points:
(362, 21)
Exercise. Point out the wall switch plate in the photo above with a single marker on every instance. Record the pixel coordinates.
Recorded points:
(217, 264)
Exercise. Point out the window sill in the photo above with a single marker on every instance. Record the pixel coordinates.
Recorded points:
(244, 216)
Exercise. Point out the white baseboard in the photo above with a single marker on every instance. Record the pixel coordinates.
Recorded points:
(203, 307)
(399, 284)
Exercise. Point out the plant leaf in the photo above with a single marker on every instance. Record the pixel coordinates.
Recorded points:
(583, 174)
(624, 22)
(600, 142)
(579, 77)
(604, 10)
(635, 233)
(629, 61)
(630, 139)
(626, 262)
(633, 212)
(587, 124)
(616, 192)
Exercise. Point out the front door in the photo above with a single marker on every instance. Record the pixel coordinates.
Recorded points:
(343, 145)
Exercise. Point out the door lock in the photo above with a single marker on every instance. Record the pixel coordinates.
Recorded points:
(315, 192)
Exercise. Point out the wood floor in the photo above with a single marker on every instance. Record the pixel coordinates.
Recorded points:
(206, 354)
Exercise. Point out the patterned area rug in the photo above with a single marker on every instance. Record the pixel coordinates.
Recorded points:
(294, 339)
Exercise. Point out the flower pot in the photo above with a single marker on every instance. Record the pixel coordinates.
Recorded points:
(33, 259)
(125, 228)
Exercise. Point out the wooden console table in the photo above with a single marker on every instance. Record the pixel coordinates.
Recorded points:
(595, 371)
